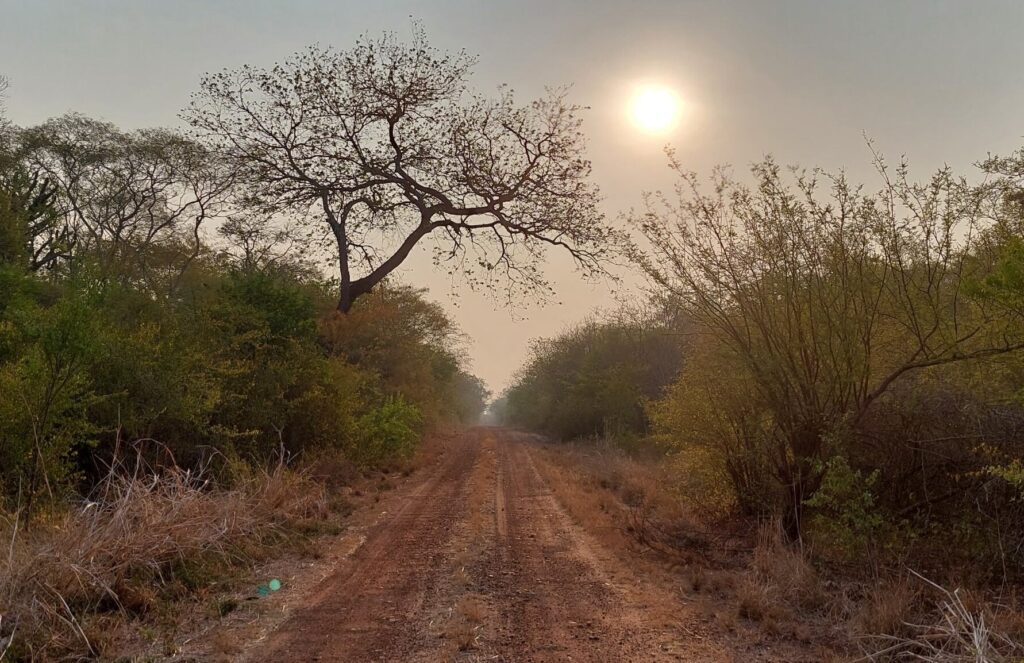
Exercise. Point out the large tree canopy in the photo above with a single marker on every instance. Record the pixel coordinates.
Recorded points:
(381, 146)
(121, 195)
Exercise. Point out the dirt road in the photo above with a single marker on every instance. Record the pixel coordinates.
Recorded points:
(479, 562)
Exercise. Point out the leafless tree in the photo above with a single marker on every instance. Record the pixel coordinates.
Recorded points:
(380, 146)
(32, 234)
(4, 84)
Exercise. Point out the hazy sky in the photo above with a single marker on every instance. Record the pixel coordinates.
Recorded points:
(939, 81)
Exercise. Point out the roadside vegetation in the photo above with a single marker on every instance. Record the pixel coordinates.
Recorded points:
(180, 394)
(842, 414)
(817, 419)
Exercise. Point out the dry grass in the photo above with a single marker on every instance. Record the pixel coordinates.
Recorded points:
(462, 578)
(700, 579)
(65, 585)
(786, 572)
(466, 623)
(616, 497)
(887, 609)
(332, 470)
(462, 635)
(961, 631)
(753, 601)
(742, 576)
(757, 582)
(472, 608)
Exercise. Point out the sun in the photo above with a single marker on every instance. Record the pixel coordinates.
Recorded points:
(655, 109)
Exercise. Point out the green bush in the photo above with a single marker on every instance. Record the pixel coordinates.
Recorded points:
(387, 433)
(847, 518)
(594, 379)
(46, 391)
(122, 330)
(240, 361)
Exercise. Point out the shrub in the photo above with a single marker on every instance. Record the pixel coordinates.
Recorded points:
(45, 393)
(239, 361)
(829, 296)
(847, 518)
(711, 416)
(388, 432)
(593, 380)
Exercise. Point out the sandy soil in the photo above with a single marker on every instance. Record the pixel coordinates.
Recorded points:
(477, 560)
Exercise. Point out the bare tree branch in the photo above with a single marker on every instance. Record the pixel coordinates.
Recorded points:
(383, 145)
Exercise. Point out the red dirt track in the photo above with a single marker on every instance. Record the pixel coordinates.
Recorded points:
(477, 561)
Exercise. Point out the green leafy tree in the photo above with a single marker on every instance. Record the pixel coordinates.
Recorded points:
(47, 391)
(593, 379)
(31, 233)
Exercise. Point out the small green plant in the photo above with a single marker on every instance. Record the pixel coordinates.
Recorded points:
(847, 512)
(1012, 473)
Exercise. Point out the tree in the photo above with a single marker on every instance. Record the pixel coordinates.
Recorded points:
(255, 243)
(381, 146)
(826, 299)
(32, 235)
(470, 396)
(46, 387)
(122, 195)
(4, 84)
(593, 379)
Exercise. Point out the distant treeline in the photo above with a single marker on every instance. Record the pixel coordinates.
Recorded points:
(594, 379)
(848, 362)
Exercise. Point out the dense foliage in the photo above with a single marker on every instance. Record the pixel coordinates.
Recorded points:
(125, 326)
(179, 395)
(594, 379)
(851, 361)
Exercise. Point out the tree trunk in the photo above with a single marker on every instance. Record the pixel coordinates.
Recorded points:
(801, 477)
(793, 512)
(345, 299)
(337, 224)
(33, 483)
(352, 290)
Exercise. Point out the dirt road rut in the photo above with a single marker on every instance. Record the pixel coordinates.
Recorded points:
(479, 562)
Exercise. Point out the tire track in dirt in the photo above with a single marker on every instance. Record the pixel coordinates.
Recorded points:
(485, 529)
(555, 600)
(371, 608)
